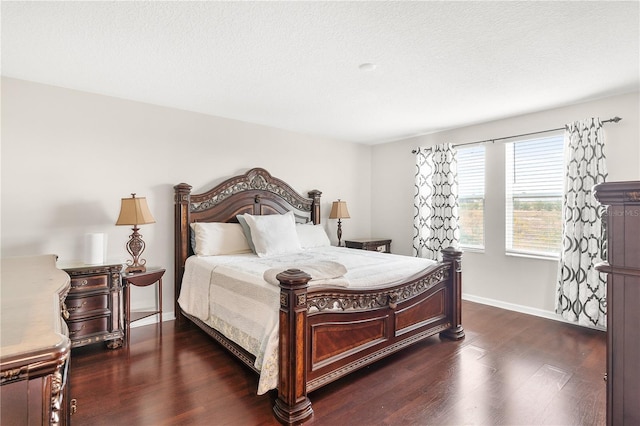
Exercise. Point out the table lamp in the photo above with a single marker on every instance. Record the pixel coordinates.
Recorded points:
(339, 211)
(135, 211)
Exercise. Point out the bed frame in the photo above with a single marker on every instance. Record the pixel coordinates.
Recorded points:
(324, 333)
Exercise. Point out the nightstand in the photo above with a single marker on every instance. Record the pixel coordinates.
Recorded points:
(381, 245)
(142, 279)
(93, 307)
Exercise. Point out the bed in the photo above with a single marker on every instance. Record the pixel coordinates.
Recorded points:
(320, 327)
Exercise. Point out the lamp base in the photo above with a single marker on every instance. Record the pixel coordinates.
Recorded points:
(135, 268)
(135, 247)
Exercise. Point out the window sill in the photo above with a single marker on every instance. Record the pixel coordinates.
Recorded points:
(472, 249)
(553, 258)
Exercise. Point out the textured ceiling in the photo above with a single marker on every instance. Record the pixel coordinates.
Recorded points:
(295, 65)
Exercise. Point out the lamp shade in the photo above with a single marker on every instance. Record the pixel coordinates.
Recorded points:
(339, 210)
(134, 211)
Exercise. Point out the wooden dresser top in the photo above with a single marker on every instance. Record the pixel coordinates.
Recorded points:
(31, 292)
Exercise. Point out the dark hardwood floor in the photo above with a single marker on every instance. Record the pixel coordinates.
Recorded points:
(511, 369)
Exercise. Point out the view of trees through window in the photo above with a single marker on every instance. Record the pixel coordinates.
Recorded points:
(471, 222)
(537, 225)
(471, 195)
(534, 188)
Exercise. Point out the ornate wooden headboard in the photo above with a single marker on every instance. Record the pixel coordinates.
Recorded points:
(255, 192)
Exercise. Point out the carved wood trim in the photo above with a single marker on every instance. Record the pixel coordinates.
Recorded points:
(236, 350)
(57, 382)
(391, 297)
(616, 193)
(35, 364)
(255, 179)
(114, 340)
(293, 406)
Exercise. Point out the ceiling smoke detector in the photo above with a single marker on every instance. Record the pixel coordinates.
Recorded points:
(367, 66)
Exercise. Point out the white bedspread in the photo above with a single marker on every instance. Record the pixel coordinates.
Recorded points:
(230, 294)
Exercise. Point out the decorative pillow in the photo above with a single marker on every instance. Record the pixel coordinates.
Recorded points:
(273, 234)
(311, 235)
(216, 238)
(242, 220)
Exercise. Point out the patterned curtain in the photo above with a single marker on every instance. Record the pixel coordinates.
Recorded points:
(435, 220)
(581, 290)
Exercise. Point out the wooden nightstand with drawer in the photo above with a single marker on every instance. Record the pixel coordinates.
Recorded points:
(381, 245)
(94, 305)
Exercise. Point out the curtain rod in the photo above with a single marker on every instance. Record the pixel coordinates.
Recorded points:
(611, 120)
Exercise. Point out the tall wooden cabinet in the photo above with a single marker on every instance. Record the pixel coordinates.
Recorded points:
(623, 300)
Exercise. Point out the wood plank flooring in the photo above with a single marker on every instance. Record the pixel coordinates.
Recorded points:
(511, 369)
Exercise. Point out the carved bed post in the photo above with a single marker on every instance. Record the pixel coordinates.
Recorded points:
(454, 257)
(182, 199)
(315, 208)
(292, 405)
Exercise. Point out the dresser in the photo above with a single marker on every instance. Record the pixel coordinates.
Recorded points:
(622, 201)
(94, 306)
(35, 348)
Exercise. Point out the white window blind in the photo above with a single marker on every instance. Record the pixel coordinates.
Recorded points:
(471, 162)
(534, 191)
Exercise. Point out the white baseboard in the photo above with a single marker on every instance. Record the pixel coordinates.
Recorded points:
(166, 316)
(169, 316)
(522, 309)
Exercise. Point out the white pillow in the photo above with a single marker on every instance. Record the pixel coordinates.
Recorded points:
(311, 235)
(216, 238)
(273, 234)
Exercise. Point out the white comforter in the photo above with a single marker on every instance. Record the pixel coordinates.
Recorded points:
(230, 294)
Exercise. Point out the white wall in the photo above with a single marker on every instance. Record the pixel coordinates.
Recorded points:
(68, 157)
(492, 277)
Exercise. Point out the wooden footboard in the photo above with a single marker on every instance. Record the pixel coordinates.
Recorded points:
(325, 335)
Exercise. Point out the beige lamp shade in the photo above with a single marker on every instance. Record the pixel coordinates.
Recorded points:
(134, 211)
(339, 210)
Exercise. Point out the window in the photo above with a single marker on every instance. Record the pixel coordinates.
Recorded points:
(471, 196)
(534, 191)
